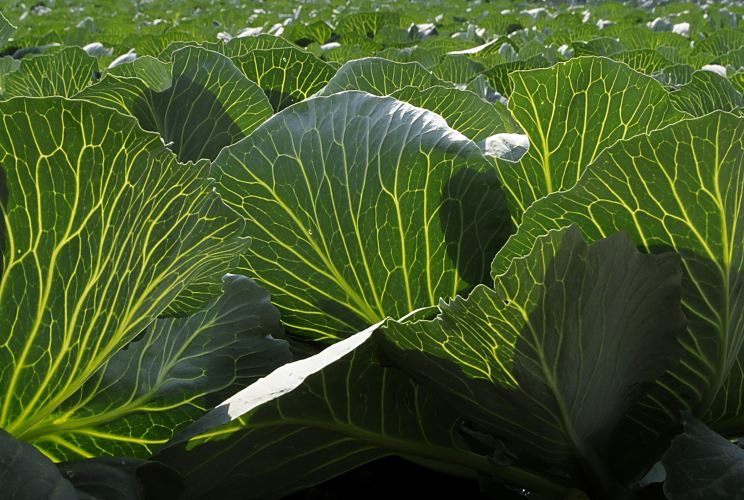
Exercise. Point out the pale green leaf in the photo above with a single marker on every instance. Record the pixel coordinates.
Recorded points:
(380, 77)
(361, 207)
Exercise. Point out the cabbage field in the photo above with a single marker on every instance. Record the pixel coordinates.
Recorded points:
(338, 249)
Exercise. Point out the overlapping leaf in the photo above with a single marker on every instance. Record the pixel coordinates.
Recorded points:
(234, 47)
(571, 112)
(155, 73)
(464, 111)
(705, 93)
(208, 105)
(457, 69)
(316, 418)
(380, 77)
(287, 75)
(680, 188)
(102, 229)
(498, 75)
(361, 207)
(647, 61)
(720, 42)
(6, 29)
(26, 473)
(701, 465)
(367, 24)
(534, 358)
(63, 73)
(174, 372)
(7, 66)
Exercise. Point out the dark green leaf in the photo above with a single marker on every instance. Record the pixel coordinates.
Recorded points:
(701, 465)
(175, 371)
(680, 188)
(316, 418)
(536, 359)
(26, 473)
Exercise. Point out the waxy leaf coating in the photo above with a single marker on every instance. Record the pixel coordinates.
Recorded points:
(361, 207)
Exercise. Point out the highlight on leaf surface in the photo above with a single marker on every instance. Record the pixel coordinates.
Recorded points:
(205, 104)
(361, 207)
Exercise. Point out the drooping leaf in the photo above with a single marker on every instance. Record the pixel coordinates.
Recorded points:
(287, 75)
(174, 372)
(702, 465)
(63, 73)
(102, 230)
(571, 112)
(328, 414)
(380, 77)
(361, 207)
(535, 358)
(680, 188)
(208, 105)
(464, 111)
(705, 93)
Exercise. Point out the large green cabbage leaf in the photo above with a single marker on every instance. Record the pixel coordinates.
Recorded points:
(679, 188)
(101, 230)
(571, 112)
(361, 207)
(535, 359)
(208, 104)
